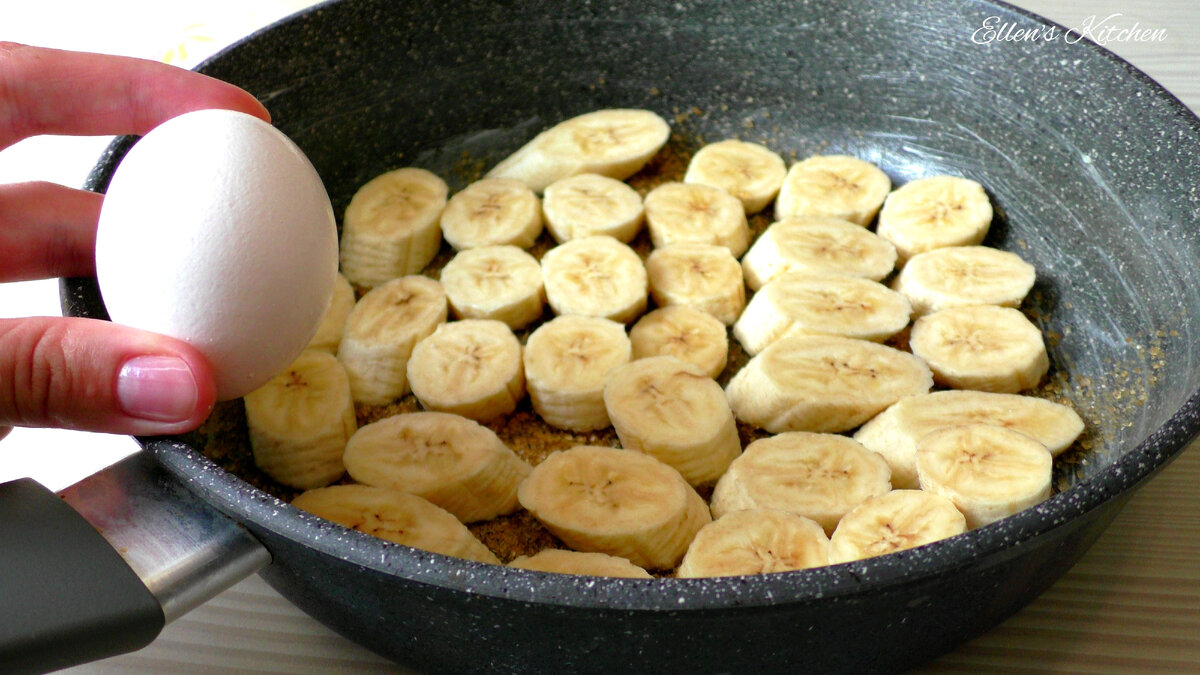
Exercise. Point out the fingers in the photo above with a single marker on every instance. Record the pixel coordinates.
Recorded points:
(60, 92)
(47, 230)
(98, 376)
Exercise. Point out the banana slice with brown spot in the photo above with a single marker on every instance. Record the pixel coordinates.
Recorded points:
(396, 516)
(678, 213)
(749, 171)
(300, 420)
(894, 432)
(503, 283)
(819, 245)
(381, 332)
(823, 383)
(456, 463)
(838, 186)
(492, 212)
(818, 476)
(897, 520)
(620, 502)
(687, 333)
(471, 367)
(595, 276)
(989, 472)
(566, 362)
(391, 227)
(982, 347)
(704, 276)
(755, 541)
(674, 411)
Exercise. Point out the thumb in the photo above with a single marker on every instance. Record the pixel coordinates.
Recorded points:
(98, 376)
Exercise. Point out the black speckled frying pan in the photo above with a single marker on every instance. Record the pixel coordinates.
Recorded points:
(1092, 167)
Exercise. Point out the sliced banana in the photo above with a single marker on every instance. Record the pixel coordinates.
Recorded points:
(300, 420)
(591, 204)
(329, 333)
(620, 502)
(894, 432)
(823, 383)
(471, 367)
(833, 185)
(758, 541)
(965, 275)
(381, 332)
(748, 171)
(674, 411)
(396, 516)
(818, 476)
(678, 213)
(898, 520)
(492, 212)
(802, 303)
(615, 142)
(456, 463)
(503, 283)
(566, 362)
(982, 347)
(561, 561)
(686, 333)
(595, 276)
(819, 245)
(703, 276)
(391, 226)
(935, 212)
(988, 472)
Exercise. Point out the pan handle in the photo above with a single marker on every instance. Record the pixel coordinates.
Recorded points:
(99, 569)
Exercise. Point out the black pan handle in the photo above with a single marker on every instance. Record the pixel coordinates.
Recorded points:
(98, 570)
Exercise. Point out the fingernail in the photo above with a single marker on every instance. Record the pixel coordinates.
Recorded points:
(158, 388)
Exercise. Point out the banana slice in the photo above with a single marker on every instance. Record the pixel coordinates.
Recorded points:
(381, 332)
(964, 275)
(566, 362)
(456, 463)
(703, 276)
(329, 333)
(894, 432)
(621, 502)
(935, 212)
(818, 245)
(684, 332)
(802, 303)
(818, 476)
(503, 283)
(678, 213)
(674, 411)
(396, 516)
(988, 472)
(758, 541)
(981, 347)
(492, 212)
(748, 171)
(590, 204)
(595, 276)
(471, 368)
(833, 185)
(391, 226)
(895, 521)
(615, 142)
(823, 383)
(300, 420)
(561, 561)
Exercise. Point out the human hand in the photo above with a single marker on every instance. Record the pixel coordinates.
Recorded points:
(83, 373)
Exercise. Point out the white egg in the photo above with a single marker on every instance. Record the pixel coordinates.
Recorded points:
(217, 230)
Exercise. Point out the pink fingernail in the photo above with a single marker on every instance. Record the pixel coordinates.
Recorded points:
(158, 388)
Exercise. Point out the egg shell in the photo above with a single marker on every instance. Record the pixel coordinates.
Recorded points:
(217, 230)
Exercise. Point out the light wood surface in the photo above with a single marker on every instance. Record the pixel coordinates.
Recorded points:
(1132, 605)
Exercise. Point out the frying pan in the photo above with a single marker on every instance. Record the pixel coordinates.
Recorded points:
(1090, 166)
